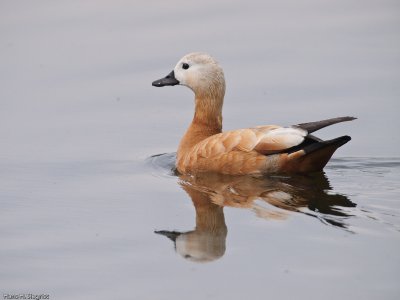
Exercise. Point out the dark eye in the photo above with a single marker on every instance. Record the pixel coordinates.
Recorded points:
(185, 66)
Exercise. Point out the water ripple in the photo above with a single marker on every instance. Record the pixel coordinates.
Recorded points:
(364, 163)
(162, 165)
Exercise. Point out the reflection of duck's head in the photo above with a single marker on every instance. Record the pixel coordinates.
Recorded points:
(201, 246)
(207, 241)
(198, 246)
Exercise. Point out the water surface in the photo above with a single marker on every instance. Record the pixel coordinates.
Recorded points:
(87, 229)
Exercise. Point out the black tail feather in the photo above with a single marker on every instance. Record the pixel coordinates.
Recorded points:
(317, 155)
(337, 142)
(314, 126)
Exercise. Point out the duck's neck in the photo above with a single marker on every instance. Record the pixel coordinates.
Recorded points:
(206, 122)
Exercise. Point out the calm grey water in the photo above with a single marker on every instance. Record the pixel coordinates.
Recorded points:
(90, 207)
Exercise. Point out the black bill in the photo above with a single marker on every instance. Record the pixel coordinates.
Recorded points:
(168, 80)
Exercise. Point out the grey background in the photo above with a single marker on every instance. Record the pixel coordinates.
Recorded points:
(76, 75)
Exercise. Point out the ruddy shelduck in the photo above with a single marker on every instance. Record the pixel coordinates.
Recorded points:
(258, 150)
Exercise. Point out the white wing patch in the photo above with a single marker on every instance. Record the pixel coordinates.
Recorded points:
(287, 136)
(280, 138)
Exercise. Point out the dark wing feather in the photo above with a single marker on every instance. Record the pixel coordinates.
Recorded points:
(314, 126)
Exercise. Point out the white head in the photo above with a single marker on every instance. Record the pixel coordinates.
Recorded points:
(198, 71)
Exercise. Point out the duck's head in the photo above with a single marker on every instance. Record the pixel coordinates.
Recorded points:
(198, 71)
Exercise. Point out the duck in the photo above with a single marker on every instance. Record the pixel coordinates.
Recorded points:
(260, 150)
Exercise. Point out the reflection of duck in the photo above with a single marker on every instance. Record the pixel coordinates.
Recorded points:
(207, 241)
(269, 197)
(258, 150)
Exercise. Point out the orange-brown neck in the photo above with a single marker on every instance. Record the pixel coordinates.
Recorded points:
(206, 122)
